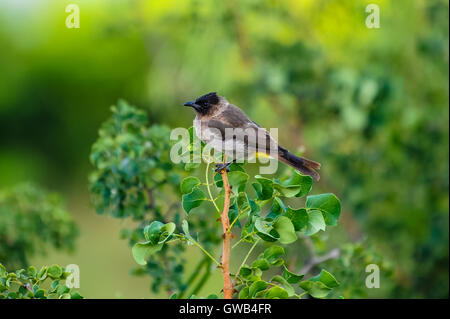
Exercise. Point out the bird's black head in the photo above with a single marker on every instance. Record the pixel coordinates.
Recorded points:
(204, 103)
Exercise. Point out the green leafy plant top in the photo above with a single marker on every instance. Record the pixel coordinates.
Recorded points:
(45, 283)
(131, 162)
(32, 219)
(280, 223)
(134, 178)
(178, 205)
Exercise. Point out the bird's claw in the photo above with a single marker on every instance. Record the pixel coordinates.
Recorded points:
(222, 166)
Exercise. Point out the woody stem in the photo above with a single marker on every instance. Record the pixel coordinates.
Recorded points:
(227, 283)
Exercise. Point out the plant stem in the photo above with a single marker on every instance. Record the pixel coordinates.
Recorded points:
(245, 260)
(204, 250)
(227, 283)
(192, 240)
(240, 240)
(209, 189)
(237, 218)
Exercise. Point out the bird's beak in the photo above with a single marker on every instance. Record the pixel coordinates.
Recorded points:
(190, 103)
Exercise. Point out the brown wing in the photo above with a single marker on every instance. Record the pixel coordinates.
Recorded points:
(234, 117)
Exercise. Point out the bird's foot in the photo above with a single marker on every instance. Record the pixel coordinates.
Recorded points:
(223, 166)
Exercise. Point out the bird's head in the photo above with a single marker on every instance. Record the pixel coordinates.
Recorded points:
(205, 103)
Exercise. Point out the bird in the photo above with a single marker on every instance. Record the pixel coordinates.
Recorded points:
(227, 129)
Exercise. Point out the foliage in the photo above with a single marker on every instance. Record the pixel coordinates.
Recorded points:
(370, 104)
(281, 224)
(31, 220)
(135, 178)
(351, 264)
(30, 283)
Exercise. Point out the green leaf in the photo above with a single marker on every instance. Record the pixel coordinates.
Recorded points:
(245, 272)
(290, 276)
(261, 263)
(54, 285)
(263, 188)
(326, 278)
(236, 176)
(256, 287)
(277, 293)
(40, 294)
(299, 217)
(244, 293)
(188, 184)
(328, 204)
(237, 181)
(185, 228)
(273, 253)
(42, 274)
(61, 290)
(76, 295)
(141, 251)
(303, 181)
(233, 214)
(32, 272)
(242, 201)
(286, 190)
(266, 232)
(315, 223)
(55, 271)
(278, 208)
(284, 227)
(284, 283)
(317, 289)
(193, 199)
(2, 270)
(257, 272)
(166, 231)
(152, 232)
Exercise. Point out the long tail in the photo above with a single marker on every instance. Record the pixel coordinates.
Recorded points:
(301, 164)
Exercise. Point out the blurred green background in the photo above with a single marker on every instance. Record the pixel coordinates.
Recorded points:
(370, 104)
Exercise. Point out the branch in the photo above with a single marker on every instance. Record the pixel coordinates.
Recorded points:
(209, 189)
(315, 260)
(227, 284)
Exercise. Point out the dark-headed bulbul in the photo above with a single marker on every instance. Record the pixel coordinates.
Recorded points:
(226, 128)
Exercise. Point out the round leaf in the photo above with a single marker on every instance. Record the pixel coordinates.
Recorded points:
(315, 223)
(273, 253)
(277, 293)
(54, 271)
(284, 227)
(290, 276)
(326, 278)
(264, 188)
(188, 184)
(266, 232)
(153, 231)
(298, 217)
(141, 251)
(166, 231)
(193, 199)
(328, 204)
(256, 287)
